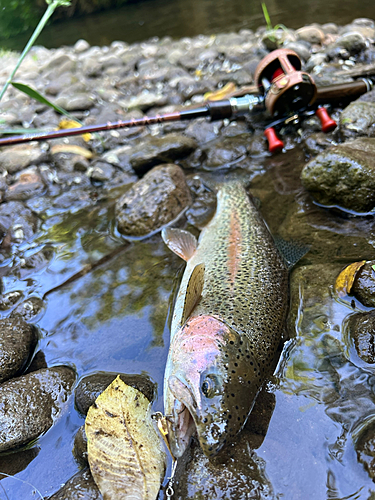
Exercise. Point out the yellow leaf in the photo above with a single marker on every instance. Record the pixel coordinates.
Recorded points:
(221, 93)
(71, 148)
(66, 123)
(345, 279)
(125, 453)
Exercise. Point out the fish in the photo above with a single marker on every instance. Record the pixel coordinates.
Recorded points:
(227, 324)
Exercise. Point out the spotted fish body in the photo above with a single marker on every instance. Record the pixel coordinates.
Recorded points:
(227, 324)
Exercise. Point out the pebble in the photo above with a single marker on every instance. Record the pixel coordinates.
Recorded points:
(364, 284)
(81, 485)
(311, 34)
(16, 158)
(361, 330)
(358, 119)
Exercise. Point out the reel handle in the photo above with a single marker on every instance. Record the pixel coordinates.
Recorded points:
(327, 122)
(274, 143)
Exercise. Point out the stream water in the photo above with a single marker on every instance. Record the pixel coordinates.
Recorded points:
(115, 318)
(178, 18)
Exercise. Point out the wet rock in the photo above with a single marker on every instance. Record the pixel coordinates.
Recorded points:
(152, 202)
(144, 101)
(81, 485)
(202, 131)
(353, 41)
(31, 309)
(156, 150)
(317, 142)
(301, 49)
(101, 171)
(328, 235)
(358, 119)
(8, 300)
(17, 341)
(16, 158)
(364, 285)
(17, 223)
(28, 185)
(38, 362)
(81, 46)
(80, 446)
(226, 152)
(344, 176)
(16, 462)
(90, 387)
(77, 102)
(365, 446)
(311, 34)
(360, 328)
(30, 404)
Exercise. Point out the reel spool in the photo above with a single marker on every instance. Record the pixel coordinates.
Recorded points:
(287, 90)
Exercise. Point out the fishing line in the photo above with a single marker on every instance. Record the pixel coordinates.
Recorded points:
(22, 481)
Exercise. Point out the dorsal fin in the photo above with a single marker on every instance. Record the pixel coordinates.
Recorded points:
(193, 291)
(181, 242)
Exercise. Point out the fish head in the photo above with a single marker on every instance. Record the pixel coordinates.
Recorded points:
(211, 383)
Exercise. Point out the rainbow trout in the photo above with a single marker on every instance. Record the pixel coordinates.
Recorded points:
(227, 323)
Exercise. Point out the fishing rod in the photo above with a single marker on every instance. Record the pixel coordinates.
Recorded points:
(281, 88)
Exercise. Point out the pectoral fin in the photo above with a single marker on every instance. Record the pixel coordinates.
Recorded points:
(193, 291)
(181, 242)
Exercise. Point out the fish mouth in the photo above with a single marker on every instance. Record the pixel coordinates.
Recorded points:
(182, 424)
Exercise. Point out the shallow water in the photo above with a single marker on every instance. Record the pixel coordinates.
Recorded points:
(115, 318)
(179, 18)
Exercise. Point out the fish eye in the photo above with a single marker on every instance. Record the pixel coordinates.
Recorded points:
(210, 386)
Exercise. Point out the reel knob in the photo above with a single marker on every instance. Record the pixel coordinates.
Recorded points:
(274, 143)
(286, 88)
(327, 122)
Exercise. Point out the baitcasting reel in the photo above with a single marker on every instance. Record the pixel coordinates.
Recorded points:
(287, 91)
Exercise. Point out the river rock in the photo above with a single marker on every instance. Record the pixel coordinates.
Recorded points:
(17, 340)
(364, 285)
(353, 41)
(156, 150)
(16, 158)
(31, 310)
(77, 102)
(365, 447)
(90, 387)
(30, 404)
(81, 485)
(8, 300)
(358, 119)
(311, 34)
(28, 185)
(226, 151)
(17, 223)
(80, 446)
(343, 175)
(152, 202)
(360, 328)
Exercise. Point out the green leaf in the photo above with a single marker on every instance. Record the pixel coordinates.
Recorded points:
(21, 131)
(373, 266)
(267, 16)
(35, 95)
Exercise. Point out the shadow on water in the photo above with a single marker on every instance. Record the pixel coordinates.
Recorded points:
(178, 18)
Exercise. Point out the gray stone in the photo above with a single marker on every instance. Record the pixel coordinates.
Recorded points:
(226, 151)
(28, 185)
(144, 101)
(17, 340)
(17, 223)
(91, 386)
(156, 150)
(31, 310)
(81, 485)
(16, 158)
(30, 404)
(101, 171)
(358, 119)
(81, 46)
(8, 300)
(300, 48)
(343, 175)
(154, 201)
(80, 446)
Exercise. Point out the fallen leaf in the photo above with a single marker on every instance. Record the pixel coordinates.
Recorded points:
(71, 148)
(66, 123)
(125, 453)
(345, 279)
(217, 95)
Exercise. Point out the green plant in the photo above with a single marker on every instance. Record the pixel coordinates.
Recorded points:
(52, 5)
(271, 30)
